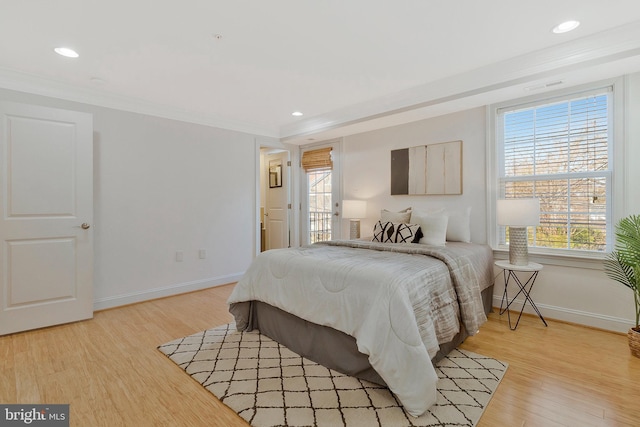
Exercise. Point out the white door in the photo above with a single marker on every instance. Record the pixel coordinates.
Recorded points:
(322, 198)
(277, 195)
(46, 208)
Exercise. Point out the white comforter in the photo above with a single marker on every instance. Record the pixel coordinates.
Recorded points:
(371, 295)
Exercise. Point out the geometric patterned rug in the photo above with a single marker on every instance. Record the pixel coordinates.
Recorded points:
(269, 385)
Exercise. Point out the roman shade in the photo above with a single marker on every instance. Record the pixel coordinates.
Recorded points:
(319, 159)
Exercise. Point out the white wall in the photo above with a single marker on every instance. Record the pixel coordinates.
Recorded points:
(160, 186)
(366, 168)
(576, 292)
(632, 136)
(163, 185)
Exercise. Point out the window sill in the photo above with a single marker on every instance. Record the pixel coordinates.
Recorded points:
(592, 261)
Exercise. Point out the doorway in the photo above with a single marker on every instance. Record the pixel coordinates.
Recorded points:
(321, 195)
(275, 204)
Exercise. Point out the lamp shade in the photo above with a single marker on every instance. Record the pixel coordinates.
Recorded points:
(354, 209)
(518, 212)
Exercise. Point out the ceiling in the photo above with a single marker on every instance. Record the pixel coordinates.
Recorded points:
(349, 66)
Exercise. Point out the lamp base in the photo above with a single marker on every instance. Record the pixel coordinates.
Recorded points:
(518, 246)
(354, 229)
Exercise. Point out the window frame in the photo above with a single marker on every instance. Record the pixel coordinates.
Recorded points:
(573, 257)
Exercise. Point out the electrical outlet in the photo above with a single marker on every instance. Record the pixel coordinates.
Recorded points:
(179, 256)
(202, 253)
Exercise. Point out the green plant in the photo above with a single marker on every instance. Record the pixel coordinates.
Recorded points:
(623, 264)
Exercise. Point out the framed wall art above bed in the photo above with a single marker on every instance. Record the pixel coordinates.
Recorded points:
(434, 169)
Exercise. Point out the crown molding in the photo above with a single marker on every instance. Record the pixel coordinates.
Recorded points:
(608, 46)
(32, 84)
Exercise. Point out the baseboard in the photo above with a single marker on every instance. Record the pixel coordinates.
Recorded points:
(180, 288)
(585, 318)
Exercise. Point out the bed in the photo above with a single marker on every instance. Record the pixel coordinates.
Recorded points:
(363, 308)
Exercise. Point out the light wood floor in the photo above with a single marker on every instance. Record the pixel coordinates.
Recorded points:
(110, 372)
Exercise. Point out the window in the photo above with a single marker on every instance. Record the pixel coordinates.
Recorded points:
(560, 151)
(320, 205)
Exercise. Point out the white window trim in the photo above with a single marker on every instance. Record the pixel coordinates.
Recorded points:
(558, 256)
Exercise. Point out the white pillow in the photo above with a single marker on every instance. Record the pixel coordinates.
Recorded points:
(397, 217)
(459, 226)
(433, 226)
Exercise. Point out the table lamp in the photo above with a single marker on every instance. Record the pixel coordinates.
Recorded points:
(354, 210)
(518, 214)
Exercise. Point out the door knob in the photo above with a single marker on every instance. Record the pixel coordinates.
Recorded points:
(85, 226)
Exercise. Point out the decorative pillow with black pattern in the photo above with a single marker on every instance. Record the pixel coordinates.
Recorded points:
(391, 232)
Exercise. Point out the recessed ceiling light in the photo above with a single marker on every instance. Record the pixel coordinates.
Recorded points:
(65, 51)
(296, 114)
(566, 27)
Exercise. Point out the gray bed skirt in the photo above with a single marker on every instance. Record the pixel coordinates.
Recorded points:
(322, 344)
